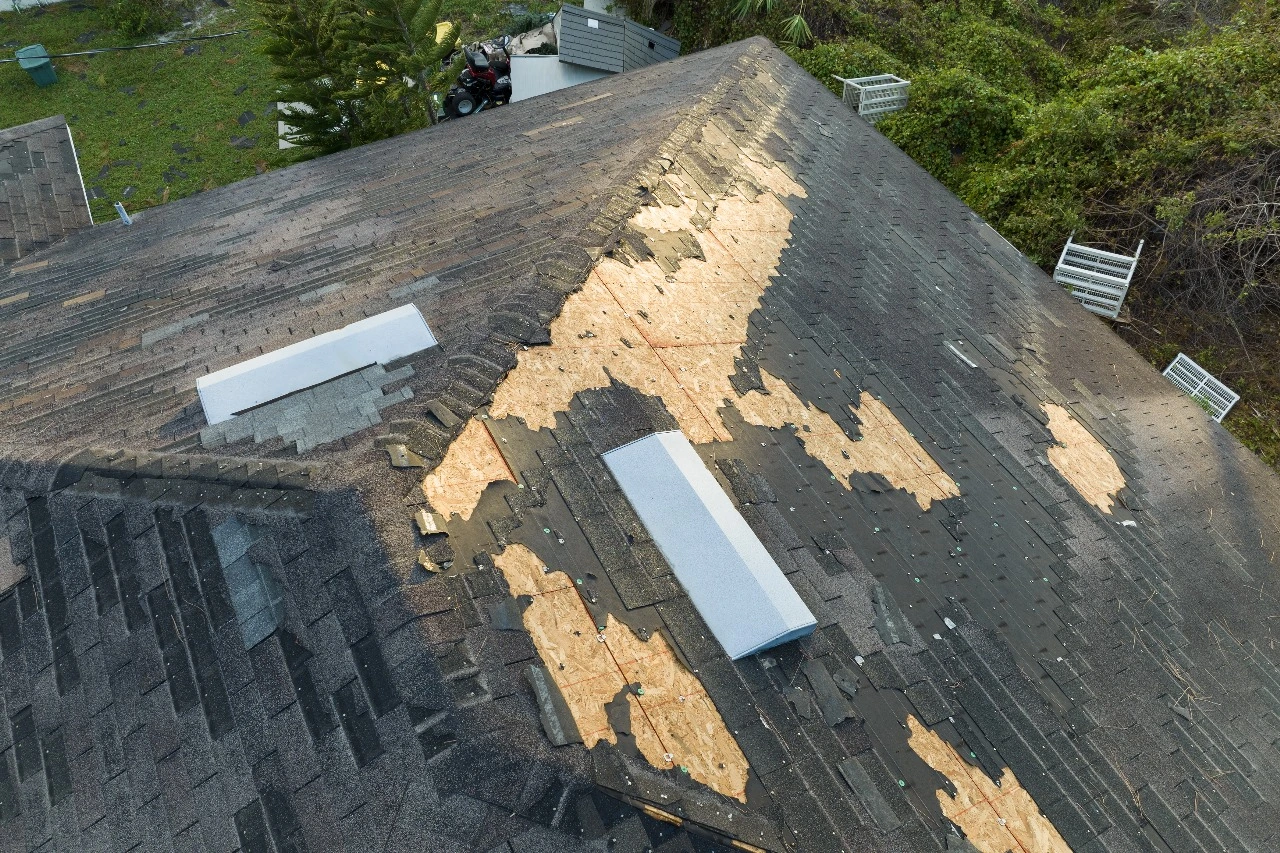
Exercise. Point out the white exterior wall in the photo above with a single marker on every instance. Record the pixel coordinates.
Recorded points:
(537, 75)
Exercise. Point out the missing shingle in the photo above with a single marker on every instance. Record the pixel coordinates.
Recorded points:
(471, 463)
(671, 322)
(885, 446)
(10, 572)
(995, 815)
(1082, 460)
(673, 720)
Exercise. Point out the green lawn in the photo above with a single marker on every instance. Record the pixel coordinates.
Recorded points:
(149, 125)
(161, 123)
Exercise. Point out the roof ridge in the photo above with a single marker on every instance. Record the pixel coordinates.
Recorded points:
(21, 130)
(651, 167)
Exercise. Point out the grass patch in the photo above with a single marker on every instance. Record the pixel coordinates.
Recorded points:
(154, 124)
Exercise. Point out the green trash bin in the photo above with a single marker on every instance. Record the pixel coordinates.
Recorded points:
(35, 60)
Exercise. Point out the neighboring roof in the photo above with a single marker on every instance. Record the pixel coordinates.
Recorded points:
(609, 43)
(42, 197)
(736, 586)
(1030, 558)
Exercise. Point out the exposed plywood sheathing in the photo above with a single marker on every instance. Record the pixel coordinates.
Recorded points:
(1082, 460)
(647, 328)
(886, 446)
(671, 327)
(672, 716)
(566, 640)
(675, 335)
(472, 462)
(995, 818)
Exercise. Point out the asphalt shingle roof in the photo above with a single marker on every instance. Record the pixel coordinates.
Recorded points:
(1120, 664)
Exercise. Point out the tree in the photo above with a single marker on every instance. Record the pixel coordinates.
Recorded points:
(353, 72)
(795, 29)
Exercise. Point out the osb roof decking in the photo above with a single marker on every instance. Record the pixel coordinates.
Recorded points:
(1032, 561)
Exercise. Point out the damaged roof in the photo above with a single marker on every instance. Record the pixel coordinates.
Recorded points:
(410, 607)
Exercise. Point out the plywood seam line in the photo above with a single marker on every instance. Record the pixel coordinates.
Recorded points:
(511, 474)
(687, 358)
(472, 461)
(627, 687)
(626, 316)
(621, 674)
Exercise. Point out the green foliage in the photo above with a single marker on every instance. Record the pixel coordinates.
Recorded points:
(853, 58)
(1173, 210)
(133, 18)
(1035, 193)
(526, 22)
(956, 115)
(356, 72)
(1139, 128)
(743, 8)
(1008, 59)
(1256, 431)
(482, 19)
(795, 30)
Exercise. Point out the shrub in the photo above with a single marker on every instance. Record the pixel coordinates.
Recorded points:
(1018, 63)
(847, 59)
(136, 18)
(954, 115)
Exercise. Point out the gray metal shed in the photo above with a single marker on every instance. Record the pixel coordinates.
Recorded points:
(742, 594)
(609, 43)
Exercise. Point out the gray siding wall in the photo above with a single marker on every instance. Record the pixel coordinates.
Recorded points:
(600, 46)
(636, 52)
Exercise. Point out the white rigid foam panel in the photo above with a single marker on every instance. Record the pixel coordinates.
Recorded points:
(374, 340)
(743, 596)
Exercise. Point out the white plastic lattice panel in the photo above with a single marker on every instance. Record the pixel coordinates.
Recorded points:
(1099, 279)
(875, 96)
(1201, 386)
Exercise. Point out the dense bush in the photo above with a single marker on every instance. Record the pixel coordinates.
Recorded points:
(956, 116)
(136, 18)
(1141, 127)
